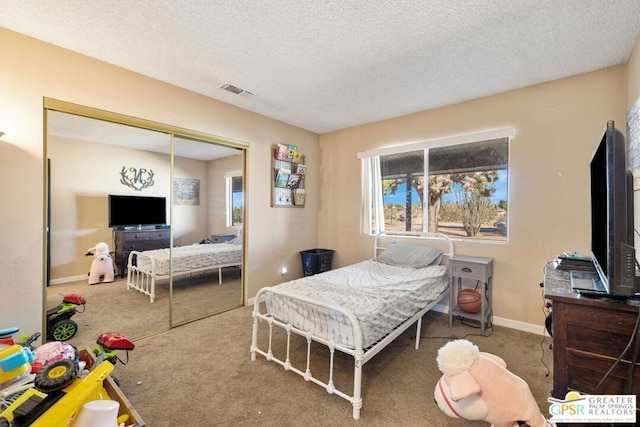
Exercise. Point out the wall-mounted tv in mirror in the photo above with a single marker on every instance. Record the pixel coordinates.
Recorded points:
(137, 211)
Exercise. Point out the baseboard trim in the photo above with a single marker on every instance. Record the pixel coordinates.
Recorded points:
(68, 279)
(500, 321)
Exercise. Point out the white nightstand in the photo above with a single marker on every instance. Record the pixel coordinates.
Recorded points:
(471, 268)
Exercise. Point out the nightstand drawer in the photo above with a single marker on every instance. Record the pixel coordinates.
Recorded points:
(469, 270)
(469, 267)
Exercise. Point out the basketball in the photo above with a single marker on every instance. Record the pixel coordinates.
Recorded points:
(469, 300)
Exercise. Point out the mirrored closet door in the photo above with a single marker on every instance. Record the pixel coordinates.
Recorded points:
(143, 189)
(206, 256)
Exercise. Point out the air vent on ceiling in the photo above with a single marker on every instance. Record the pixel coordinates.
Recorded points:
(233, 89)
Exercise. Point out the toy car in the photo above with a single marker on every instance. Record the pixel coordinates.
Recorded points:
(60, 327)
(58, 396)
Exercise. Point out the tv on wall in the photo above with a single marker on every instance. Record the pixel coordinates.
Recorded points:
(612, 222)
(137, 211)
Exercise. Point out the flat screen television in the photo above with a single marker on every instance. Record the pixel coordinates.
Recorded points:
(612, 249)
(137, 211)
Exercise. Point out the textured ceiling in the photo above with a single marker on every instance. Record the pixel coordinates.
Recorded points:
(331, 64)
(70, 126)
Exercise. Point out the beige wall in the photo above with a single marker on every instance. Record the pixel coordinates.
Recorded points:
(557, 124)
(32, 70)
(190, 223)
(633, 76)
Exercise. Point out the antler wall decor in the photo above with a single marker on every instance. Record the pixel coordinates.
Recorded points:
(142, 178)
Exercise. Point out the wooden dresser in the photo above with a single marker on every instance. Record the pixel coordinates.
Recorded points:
(589, 334)
(137, 240)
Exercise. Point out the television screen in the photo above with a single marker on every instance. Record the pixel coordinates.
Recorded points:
(612, 248)
(599, 209)
(132, 211)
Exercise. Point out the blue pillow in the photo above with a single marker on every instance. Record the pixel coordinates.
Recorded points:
(235, 241)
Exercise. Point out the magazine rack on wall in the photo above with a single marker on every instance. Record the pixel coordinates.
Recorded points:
(288, 176)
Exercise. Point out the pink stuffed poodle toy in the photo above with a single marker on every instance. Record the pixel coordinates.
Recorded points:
(478, 386)
(102, 265)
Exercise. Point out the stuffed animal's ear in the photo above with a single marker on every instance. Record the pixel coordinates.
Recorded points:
(463, 385)
(495, 358)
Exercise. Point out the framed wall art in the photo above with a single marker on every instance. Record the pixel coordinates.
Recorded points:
(186, 191)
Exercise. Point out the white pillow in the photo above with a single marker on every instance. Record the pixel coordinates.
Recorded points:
(410, 256)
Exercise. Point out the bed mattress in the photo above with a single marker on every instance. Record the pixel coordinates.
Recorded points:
(381, 297)
(193, 257)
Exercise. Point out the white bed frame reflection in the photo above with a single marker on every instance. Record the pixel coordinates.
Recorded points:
(144, 279)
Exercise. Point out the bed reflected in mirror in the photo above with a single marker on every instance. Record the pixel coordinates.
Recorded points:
(203, 265)
(206, 266)
(91, 160)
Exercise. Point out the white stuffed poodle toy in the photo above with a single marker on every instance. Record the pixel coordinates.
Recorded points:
(102, 265)
(478, 386)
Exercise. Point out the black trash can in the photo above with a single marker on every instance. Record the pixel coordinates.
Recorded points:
(316, 261)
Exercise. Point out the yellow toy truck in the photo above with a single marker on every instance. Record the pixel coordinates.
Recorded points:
(58, 395)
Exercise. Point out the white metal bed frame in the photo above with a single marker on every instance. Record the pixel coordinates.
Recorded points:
(144, 280)
(361, 355)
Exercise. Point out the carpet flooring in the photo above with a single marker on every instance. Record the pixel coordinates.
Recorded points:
(111, 307)
(200, 374)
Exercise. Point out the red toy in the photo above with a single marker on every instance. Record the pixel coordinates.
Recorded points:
(74, 299)
(115, 341)
(109, 343)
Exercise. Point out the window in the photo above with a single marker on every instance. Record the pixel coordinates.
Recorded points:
(235, 199)
(464, 194)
